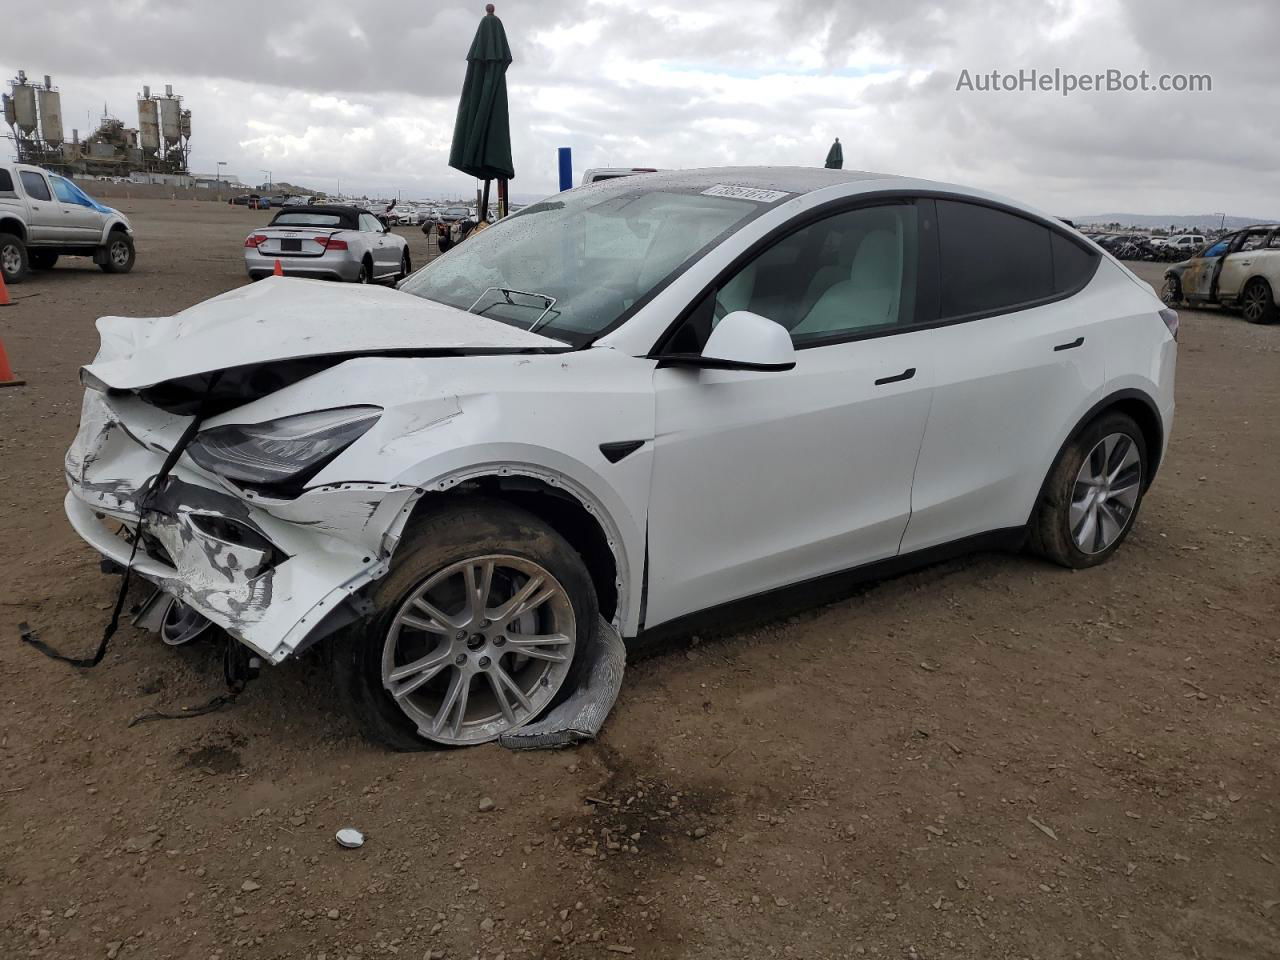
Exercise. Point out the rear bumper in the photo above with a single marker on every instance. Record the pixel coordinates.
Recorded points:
(328, 266)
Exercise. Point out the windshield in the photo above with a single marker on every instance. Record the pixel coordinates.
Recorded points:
(575, 264)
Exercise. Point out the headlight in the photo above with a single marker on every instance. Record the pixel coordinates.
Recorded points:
(291, 448)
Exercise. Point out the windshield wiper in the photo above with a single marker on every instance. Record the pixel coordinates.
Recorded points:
(506, 295)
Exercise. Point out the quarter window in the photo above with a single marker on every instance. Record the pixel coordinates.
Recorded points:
(991, 261)
(6, 182)
(35, 186)
(1073, 265)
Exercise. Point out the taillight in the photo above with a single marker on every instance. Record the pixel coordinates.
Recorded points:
(331, 243)
(255, 240)
(1170, 318)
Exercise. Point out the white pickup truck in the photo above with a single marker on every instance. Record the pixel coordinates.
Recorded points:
(44, 216)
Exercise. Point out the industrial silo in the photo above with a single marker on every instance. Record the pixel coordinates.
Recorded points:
(24, 105)
(148, 123)
(170, 116)
(50, 113)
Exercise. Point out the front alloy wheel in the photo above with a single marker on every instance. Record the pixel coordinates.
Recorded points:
(479, 648)
(1171, 292)
(475, 632)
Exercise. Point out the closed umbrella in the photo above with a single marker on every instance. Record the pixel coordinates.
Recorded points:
(482, 133)
(835, 157)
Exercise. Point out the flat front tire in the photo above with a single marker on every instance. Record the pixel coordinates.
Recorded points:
(1093, 493)
(473, 634)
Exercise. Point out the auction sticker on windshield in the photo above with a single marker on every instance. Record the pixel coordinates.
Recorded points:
(745, 193)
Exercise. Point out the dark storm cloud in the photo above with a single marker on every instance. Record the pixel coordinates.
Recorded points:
(367, 90)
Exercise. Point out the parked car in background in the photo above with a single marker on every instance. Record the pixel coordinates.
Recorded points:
(1184, 243)
(454, 214)
(330, 243)
(626, 405)
(1241, 271)
(44, 216)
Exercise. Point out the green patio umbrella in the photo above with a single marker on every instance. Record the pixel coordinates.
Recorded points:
(482, 132)
(835, 157)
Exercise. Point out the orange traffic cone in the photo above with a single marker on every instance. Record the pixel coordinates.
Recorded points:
(4, 292)
(7, 379)
(279, 270)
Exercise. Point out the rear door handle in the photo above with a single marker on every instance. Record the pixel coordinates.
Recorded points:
(906, 374)
(1077, 342)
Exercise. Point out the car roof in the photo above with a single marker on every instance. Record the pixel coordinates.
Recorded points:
(787, 179)
(350, 215)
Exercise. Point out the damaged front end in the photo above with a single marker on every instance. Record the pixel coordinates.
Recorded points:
(276, 572)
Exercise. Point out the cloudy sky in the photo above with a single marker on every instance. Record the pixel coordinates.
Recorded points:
(365, 92)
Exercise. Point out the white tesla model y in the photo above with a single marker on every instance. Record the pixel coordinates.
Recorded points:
(629, 403)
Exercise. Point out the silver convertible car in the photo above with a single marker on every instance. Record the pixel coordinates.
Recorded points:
(327, 243)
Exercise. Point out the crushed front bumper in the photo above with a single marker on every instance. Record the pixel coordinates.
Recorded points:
(275, 574)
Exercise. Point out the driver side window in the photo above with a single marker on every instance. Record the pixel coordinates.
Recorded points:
(849, 274)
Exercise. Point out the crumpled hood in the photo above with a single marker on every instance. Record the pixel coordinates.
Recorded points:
(282, 318)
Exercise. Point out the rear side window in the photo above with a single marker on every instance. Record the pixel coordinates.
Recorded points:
(1073, 265)
(991, 261)
(6, 182)
(35, 186)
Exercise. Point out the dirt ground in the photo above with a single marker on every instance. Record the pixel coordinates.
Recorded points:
(992, 758)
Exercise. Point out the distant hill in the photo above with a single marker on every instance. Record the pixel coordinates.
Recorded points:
(1201, 221)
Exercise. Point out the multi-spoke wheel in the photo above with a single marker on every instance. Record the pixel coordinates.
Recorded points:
(181, 624)
(1257, 303)
(475, 630)
(1105, 493)
(480, 648)
(1093, 493)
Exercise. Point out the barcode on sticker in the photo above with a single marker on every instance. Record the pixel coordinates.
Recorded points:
(745, 193)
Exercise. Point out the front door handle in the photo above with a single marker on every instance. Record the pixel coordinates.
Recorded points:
(1077, 342)
(906, 374)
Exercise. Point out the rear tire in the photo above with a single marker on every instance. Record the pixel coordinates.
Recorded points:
(1092, 495)
(1171, 292)
(120, 253)
(457, 533)
(42, 259)
(1257, 302)
(363, 275)
(13, 258)
(406, 267)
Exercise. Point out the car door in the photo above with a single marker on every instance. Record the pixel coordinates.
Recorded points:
(373, 236)
(1016, 355)
(44, 217)
(81, 222)
(1238, 266)
(764, 479)
(1198, 278)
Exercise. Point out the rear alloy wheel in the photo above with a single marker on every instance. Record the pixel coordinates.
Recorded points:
(1093, 494)
(363, 275)
(120, 254)
(13, 258)
(474, 632)
(1257, 303)
(406, 267)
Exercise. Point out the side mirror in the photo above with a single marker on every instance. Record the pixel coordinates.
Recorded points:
(741, 341)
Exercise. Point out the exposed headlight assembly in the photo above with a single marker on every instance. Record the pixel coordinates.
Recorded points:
(291, 449)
